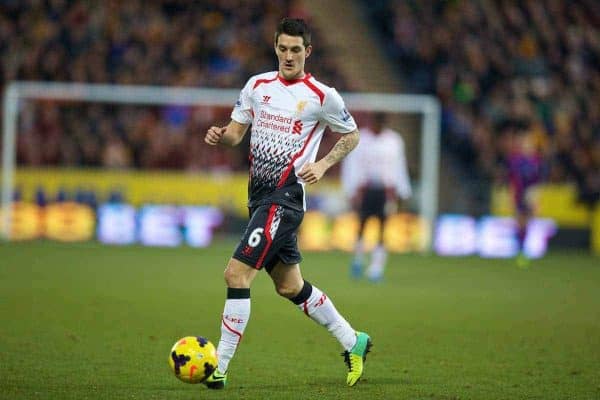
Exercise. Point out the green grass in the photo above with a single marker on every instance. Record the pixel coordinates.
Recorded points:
(92, 322)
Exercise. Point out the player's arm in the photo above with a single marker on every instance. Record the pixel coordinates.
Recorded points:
(313, 172)
(341, 149)
(230, 135)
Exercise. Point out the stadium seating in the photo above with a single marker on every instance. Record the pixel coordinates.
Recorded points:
(494, 64)
(491, 64)
(195, 44)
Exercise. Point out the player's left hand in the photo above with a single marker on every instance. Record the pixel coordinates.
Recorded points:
(312, 173)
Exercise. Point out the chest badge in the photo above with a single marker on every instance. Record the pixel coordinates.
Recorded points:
(300, 107)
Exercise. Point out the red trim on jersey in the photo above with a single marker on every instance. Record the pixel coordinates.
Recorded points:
(251, 162)
(289, 168)
(239, 335)
(288, 82)
(307, 82)
(314, 88)
(267, 235)
(258, 82)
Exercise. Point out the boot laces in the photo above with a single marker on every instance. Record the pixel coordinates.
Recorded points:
(347, 360)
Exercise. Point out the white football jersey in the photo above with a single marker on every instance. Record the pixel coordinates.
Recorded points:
(288, 120)
(379, 160)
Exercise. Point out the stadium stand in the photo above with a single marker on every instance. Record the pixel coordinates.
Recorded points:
(492, 64)
(495, 65)
(209, 43)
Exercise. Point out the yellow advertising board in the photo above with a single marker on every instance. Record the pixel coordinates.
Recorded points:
(557, 202)
(65, 222)
(596, 231)
(227, 191)
(69, 222)
(403, 232)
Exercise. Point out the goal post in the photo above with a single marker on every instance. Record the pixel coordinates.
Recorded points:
(426, 106)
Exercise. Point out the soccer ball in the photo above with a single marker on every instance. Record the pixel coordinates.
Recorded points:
(193, 359)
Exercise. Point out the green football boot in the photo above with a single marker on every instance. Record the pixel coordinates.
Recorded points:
(216, 380)
(356, 357)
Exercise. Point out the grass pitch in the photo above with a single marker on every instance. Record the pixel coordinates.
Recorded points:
(92, 322)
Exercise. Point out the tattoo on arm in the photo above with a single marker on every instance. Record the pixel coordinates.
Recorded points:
(341, 149)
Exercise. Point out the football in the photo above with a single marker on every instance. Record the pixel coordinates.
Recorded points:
(193, 359)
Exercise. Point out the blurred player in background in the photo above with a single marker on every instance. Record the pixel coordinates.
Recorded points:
(524, 168)
(375, 177)
(288, 110)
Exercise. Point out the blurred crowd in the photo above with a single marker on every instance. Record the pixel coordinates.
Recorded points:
(498, 67)
(210, 43)
(503, 66)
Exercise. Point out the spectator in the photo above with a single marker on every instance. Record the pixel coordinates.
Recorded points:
(374, 177)
(491, 62)
(164, 42)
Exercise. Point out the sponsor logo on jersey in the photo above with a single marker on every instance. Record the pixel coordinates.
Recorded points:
(266, 99)
(297, 130)
(346, 115)
(274, 122)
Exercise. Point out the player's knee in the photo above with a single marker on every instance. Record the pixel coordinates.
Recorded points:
(227, 276)
(234, 279)
(287, 291)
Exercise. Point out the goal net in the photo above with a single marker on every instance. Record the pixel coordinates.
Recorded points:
(152, 119)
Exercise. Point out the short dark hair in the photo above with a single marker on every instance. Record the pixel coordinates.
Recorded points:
(294, 27)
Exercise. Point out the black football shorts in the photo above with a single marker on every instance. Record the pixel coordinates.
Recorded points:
(270, 237)
(373, 203)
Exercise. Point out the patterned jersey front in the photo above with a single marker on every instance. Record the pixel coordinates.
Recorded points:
(288, 120)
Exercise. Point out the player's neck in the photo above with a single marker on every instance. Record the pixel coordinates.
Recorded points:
(301, 75)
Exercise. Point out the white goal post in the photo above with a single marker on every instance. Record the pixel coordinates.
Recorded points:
(427, 106)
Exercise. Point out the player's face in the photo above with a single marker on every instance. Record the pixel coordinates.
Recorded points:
(291, 54)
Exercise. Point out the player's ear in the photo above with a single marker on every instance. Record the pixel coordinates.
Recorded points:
(275, 42)
(308, 51)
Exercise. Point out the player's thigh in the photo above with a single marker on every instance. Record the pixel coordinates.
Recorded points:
(270, 232)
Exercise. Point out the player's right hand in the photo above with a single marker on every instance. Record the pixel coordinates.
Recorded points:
(214, 135)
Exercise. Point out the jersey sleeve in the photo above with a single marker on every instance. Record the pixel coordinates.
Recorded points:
(350, 173)
(242, 111)
(335, 114)
(402, 181)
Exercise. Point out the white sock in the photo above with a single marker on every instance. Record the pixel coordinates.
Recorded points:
(359, 252)
(235, 317)
(320, 308)
(377, 262)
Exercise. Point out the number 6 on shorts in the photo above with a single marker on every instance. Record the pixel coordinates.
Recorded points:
(255, 237)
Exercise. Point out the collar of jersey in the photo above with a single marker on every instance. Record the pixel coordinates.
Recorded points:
(306, 77)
